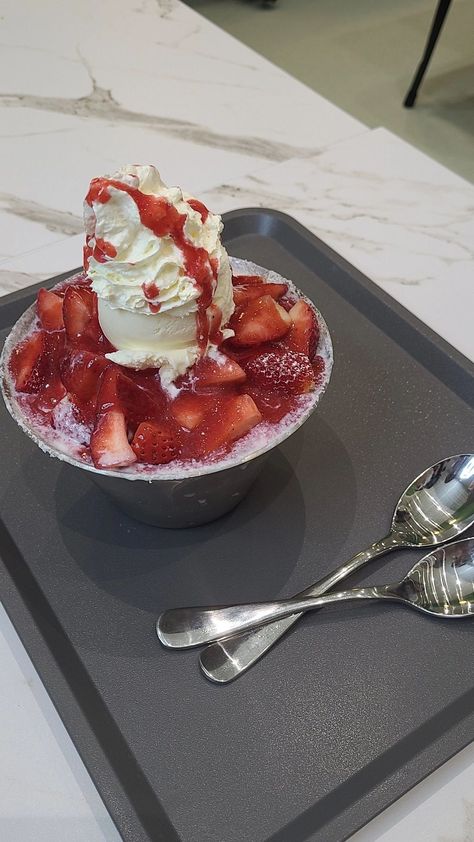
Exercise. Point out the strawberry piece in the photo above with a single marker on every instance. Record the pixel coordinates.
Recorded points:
(25, 362)
(155, 444)
(34, 365)
(81, 319)
(209, 372)
(141, 401)
(190, 409)
(287, 372)
(304, 333)
(232, 419)
(238, 280)
(49, 307)
(80, 373)
(247, 292)
(79, 310)
(109, 443)
(50, 387)
(272, 405)
(261, 320)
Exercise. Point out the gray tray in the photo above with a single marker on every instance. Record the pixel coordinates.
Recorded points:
(351, 709)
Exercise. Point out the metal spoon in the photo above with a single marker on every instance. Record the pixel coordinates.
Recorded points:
(441, 584)
(436, 507)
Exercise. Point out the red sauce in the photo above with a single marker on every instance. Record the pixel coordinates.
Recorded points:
(198, 206)
(107, 249)
(151, 291)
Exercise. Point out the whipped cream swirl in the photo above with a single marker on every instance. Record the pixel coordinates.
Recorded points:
(161, 274)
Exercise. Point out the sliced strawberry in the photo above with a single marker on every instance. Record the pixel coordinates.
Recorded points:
(261, 320)
(238, 280)
(233, 419)
(247, 292)
(241, 355)
(25, 362)
(140, 401)
(190, 409)
(304, 333)
(287, 372)
(34, 365)
(155, 444)
(79, 310)
(109, 443)
(209, 372)
(273, 405)
(81, 319)
(49, 307)
(80, 373)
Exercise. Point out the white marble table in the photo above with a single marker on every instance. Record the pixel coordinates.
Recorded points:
(87, 87)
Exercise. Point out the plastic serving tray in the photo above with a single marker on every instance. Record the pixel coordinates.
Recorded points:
(353, 707)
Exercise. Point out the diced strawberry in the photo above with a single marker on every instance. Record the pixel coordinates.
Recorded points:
(209, 372)
(304, 332)
(35, 367)
(144, 401)
(241, 355)
(287, 372)
(262, 320)
(109, 443)
(79, 307)
(24, 362)
(247, 292)
(155, 444)
(273, 405)
(232, 420)
(80, 373)
(49, 307)
(81, 319)
(238, 280)
(190, 409)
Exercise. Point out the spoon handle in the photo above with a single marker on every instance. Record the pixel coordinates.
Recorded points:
(185, 627)
(223, 661)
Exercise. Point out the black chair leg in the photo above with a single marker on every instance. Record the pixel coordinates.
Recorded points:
(438, 20)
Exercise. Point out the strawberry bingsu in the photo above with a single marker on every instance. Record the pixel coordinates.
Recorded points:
(164, 358)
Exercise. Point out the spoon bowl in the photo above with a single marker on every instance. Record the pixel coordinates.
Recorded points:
(442, 583)
(438, 505)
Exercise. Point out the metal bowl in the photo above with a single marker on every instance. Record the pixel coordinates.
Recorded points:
(188, 494)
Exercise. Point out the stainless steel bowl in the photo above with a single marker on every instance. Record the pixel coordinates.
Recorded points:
(166, 496)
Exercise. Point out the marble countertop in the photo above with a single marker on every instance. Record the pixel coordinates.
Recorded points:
(79, 98)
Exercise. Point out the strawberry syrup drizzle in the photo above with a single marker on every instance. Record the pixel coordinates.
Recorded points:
(198, 206)
(152, 291)
(157, 214)
(100, 251)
